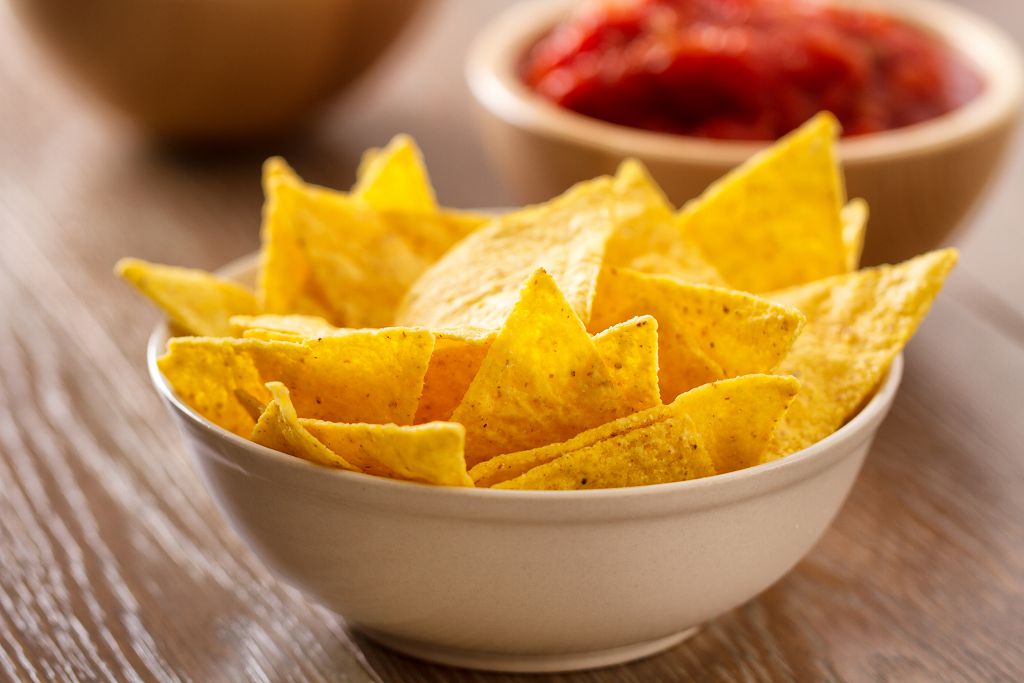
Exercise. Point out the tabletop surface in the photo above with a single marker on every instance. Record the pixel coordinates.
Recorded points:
(114, 563)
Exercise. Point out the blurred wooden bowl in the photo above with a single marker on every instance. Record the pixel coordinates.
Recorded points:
(920, 181)
(216, 69)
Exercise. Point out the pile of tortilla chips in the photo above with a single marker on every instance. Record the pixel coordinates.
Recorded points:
(601, 339)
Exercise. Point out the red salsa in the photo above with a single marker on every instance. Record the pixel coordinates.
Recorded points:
(745, 69)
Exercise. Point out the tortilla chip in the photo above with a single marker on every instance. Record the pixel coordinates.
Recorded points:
(511, 465)
(279, 428)
(373, 376)
(206, 374)
(855, 223)
(395, 179)
(542, 380)
(856, 324)
(735, 419)
(774, 221)
(453, 365)
(429, 453)
(646, 237)
(302, 326)
(477, 283)
(667, 451)
(704, 333)
(360, 266)
(334, 256)
(285, 281)
(276, 168)
(630, 352)
(197, 302)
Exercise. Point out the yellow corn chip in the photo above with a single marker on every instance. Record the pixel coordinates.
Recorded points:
(276, 168)
(373, 376)
(704, 333)
(630, 352)
(360, 261)
(454, 362)
(285, 283)
(735, 419)
(511, 465)
(330, 255)
(429, 453)
(453, 365)
(646, 237)
(206, 374)
(856, 324)
(774, 221)
(541, 381)
(279, 428)
(477, 282)
(394, 178)
(302, 326)
(666, 451)
(197, 302)
(855, 222)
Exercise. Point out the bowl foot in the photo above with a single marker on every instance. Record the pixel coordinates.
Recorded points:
(526, 663)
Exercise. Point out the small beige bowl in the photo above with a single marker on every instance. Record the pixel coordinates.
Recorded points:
(525, 581)
(920, 181)
(216, 69)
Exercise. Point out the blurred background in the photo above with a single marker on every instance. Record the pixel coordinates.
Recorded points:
(64, 64)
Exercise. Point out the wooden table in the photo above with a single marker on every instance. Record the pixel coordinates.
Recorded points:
(114, 564)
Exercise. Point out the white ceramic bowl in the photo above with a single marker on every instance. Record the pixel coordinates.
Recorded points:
(920, 180)
(525, 580)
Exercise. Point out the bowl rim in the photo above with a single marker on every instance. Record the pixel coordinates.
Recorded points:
(491, 71)
(856, 430)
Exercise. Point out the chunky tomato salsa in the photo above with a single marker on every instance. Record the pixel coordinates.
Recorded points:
(746, 69)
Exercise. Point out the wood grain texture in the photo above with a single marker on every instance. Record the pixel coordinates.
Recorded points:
(115, 565)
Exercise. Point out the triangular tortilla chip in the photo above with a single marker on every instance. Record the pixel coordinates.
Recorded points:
(646, 236)
(429, 453)
(856, 324)
(362, 261)
(735, 418)
(206, 374)
(774, 221)
(373, 376)
(541, 381)
(666, 451)
(331, 255)
(454, 363)
(279, 428)
(855, 222)
(477, 282)
(197, 302)
(395, 179)
(704, 333)
(630, 352)
(285, 281)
